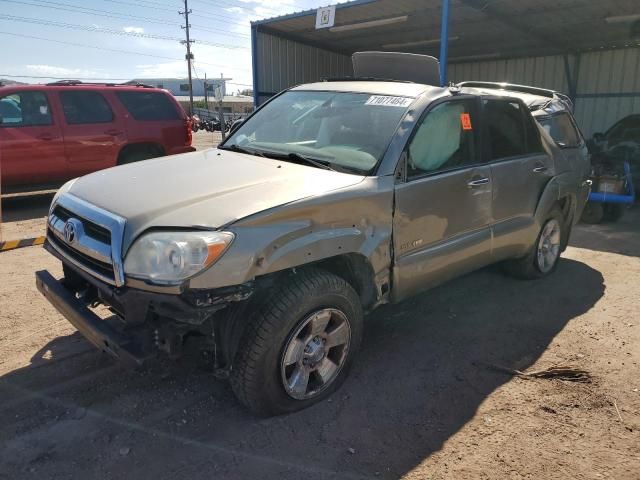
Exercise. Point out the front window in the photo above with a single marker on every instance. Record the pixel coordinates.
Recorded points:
(342, 131)
(25, 109)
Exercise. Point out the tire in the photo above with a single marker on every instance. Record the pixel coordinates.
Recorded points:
(531, 266)
(613, 212)
(593, 213)
(139, 154)
(281, 331)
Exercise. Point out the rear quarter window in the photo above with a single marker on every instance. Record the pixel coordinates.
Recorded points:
(561, 129)
(148, 106)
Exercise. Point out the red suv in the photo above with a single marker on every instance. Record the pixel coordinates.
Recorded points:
(51, 133)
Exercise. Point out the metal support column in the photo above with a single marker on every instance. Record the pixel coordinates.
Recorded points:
(254, 64)
(444, 42)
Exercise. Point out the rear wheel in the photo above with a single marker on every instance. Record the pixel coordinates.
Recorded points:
(613, 212)
(543, 257)
(299, 346)
(593, 213)
(137, 153)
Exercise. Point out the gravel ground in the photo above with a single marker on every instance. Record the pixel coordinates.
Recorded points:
(421, 401)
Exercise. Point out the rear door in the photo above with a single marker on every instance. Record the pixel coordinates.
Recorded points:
(154, 117)
(520, 169)
(93, 133)
(443, 207)
(31, 144)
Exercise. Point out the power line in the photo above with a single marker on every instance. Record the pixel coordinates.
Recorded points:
(95, 47)
(199, 15)
(111, 31)
(44, 77)
(111, 14)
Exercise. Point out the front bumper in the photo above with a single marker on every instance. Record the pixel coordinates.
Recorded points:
(144, 322)
(96, 330)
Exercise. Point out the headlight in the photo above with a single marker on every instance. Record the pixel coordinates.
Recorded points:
(171, 257)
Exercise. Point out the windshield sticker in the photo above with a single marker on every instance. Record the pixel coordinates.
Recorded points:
(385, 101)
(465, 119)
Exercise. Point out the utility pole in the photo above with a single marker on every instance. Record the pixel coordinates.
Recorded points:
(206, 96)
(220, 97)
(189, 55)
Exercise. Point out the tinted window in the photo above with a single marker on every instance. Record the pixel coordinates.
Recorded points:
(82, 107)
(149, 105)
(624, 129)
(561, 129)
(25, 109)
(506, 129)
(444, 139)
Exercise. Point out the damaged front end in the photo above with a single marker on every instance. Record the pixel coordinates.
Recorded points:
(138, 324)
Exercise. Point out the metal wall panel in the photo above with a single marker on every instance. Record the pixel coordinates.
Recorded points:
(608, 81)
(608, 88)
(283, 63)
(545, 72)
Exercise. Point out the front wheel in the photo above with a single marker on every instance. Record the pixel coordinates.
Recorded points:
(543, 257)
(297, 348)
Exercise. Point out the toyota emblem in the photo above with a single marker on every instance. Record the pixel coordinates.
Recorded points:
(69, 231)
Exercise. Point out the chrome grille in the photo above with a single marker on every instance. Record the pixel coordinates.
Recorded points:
(95, 245)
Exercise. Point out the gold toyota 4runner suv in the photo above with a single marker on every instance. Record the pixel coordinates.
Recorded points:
(331, 199)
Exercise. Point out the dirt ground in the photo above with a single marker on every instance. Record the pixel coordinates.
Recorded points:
(421, 401)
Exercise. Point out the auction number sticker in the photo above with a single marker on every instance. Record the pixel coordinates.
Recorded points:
(387, 101)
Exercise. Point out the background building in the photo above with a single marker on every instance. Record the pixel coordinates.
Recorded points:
(589, 49)
(180, 86)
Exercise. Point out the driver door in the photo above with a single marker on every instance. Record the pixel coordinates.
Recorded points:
(443, 204)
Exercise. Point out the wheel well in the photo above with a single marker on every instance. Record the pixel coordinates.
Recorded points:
(154, 149)
(356, 270)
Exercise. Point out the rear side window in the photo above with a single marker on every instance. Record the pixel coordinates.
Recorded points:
(149, 105)
(505, 128)
(82, 107)
(25, 109)
(561, 129)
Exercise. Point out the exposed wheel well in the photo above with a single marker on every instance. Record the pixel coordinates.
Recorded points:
(139, 151)
(356, 270)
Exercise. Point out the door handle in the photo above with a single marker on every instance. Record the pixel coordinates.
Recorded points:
(113, 132)
(478, 182)
(540, 169)
(45, 136)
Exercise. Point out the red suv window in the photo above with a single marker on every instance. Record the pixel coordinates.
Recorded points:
(85, 107)
(25, 109)
(149, 105)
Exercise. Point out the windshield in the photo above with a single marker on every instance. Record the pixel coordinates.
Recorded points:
(344, 131)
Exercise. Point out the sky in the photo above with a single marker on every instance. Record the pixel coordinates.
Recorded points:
(117, 40)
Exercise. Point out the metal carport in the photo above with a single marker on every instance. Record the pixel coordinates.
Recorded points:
(589, 49)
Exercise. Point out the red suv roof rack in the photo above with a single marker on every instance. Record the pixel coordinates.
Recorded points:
(71, 83)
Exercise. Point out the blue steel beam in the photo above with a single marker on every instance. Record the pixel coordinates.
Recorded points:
(444, 42)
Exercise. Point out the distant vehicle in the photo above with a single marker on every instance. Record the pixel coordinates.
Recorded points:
(620, 142)
(51, 133)
(329, 200)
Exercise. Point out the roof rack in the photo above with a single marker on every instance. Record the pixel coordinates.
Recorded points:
(71, 83)
(362, 79)
(543, 92)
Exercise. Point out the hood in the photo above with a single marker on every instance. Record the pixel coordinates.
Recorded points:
(209, 189)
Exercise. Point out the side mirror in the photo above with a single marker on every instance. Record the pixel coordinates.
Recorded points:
(235, 125)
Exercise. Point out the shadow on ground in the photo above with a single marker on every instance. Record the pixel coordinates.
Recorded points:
(418, 379)
(614, 237)
(26, 206)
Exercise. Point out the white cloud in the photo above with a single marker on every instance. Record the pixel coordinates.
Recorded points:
(133, 29)
(62, 71)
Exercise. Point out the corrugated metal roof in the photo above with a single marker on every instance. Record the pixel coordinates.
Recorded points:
(500, 28)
